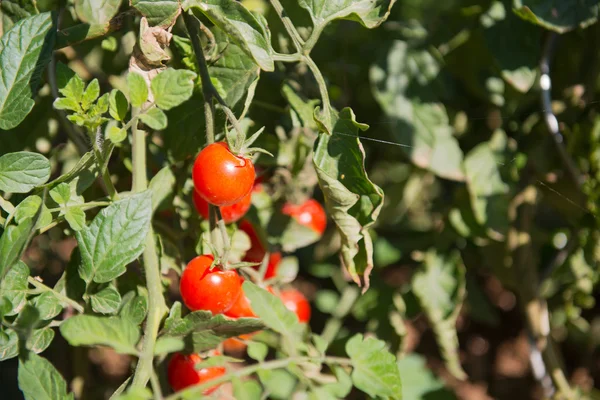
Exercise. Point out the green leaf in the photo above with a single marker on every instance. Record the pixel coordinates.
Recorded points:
(75, 217)
(198, 321)
(134, 308)
(115, 238)
(257, 351)
(489, 194)
(28, 209)
(558, 16)
(14, 287)
(352, 200)
(279, 383)
(138, 90)
(91, 94)
(375, 371)
(158, 12)
(168, 344)
(514, 44)
(303, 108)
(70, 283)
(155, 118)
(246, 390)
(39, 380)
(117, 105)
(440, 287)
(12, 243)
(96, 12)
(161, 186)
(25, 51)
(39, 340)
(87, 330)
(106, 301)
(271, 310)
(22, 171)
(10, 348)
(172, 87)
(423, 384)
(240, 25)
(419, 124)
(61, 193)
(234, 71)
(69, 83)
(370, 13)
(48, 305)
(15, 10)
(116, 134)
(184, 136)
(64, 103)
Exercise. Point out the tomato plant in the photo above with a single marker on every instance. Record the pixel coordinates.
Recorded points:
(250, 199)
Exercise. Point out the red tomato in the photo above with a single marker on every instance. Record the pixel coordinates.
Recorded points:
(230, 213)
(220, 177)
(257, 251)
(234, 346)
(296, 302)
(309, 214)
(205, 289)
(182, 373)
(241, 308)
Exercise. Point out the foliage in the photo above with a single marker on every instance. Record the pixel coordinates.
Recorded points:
(455, 176)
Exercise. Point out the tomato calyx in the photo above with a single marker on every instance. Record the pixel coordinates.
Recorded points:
(240, 146)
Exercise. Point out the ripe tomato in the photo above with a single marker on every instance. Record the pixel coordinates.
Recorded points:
(230, 213)
(310, 214)
(257, 251)
(296, 302)
(241, 308)
(205, 289)
(182, 373)
(236, 346)
(220, 177)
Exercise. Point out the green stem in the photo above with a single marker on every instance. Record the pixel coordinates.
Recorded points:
(288, 24)
(196, 390)
(156, 307)
(287, 57)
(209, 92)
(224, 236)
(86, 206)
(314, 37)
(40, 286)
(110, 187)
(326, 108)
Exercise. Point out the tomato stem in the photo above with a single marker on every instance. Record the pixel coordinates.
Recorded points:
(156, 307)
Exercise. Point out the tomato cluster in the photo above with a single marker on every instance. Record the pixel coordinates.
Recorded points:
(228, 183)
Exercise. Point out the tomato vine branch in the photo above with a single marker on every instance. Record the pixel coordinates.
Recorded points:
(64, 299)
(289, 26)
(156, 307)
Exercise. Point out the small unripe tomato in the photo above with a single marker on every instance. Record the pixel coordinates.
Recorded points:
(220, 177)
(296, 302)
(310, 214)
(182, 373)
(205, 289)
(257, 251)
(230, 213)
